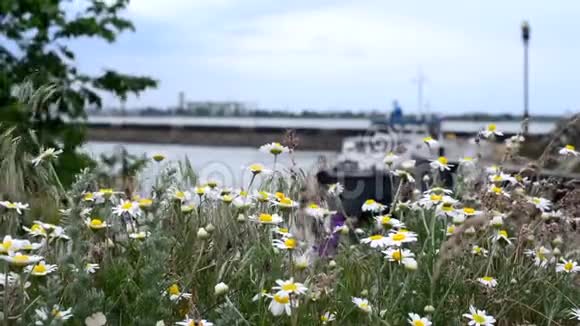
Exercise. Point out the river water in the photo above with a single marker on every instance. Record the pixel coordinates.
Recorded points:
(224, 164)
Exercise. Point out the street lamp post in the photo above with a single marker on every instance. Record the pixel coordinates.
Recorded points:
(526, 39)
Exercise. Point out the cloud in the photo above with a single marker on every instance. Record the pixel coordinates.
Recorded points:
(169, 10)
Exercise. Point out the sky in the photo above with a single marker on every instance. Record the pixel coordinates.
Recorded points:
(359, 55)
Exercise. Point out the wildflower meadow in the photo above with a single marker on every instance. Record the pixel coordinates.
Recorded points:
(496, 247)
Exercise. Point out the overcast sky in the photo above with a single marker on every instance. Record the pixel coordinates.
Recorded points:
(350, 54)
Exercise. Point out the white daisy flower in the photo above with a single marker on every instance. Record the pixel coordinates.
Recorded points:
(303, 261)
(400, 237)
(36, 230)
(290, 287)
(200, 190)
(370, 205)
(398, 255)
(17, 206)
(139, 235)
(497, 221)
(498, 191)
(21, 260)
(175, 293)
(441, 164)
(96, 319)
(388, 222)
(449, 230)
(265, 218)
(416, 320)
(362, 304)
(91, 268)
(96, 224)
(567, 266)
(501, 177)
(243, 202)
(285, 243)
(281, 303)
(479, 251)
(542, 204)
(327, 317)
(488, 281)
(286, 203)
(40, 269)
(127, 207)
(502, 235)
(47, 154)
(491, 130)
(274, 148)
(313, 210)
(258, 168)
(57, 313)
(575, 313)
(568, 150)
(179, 195)
(59, 233)
(540, 256)
(479, 317)
(284, 232)
(376, 241)
(429, 141)
(404, 175)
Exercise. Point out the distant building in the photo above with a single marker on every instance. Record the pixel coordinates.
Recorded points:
(216, 108)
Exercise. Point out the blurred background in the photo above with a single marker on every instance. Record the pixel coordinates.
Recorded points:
(212, 80)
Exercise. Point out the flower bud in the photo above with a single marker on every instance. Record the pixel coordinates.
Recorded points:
(158, 157)
(410, 265)
(429, 309)
(241, 218)
(210, 228)
(556, 252)
(364, 292)
(202, 234)
(557, 241)
(221, 288)
(332, 263)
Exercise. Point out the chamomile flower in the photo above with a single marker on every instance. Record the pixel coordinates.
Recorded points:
(470, 211)
(450, 230)
(290, 287)
(17, 206)
(467, 161)
(540, 256)
(265, 218)
(281, 303)
(479, 317)
(262, 196)
(274, 148)
(430, 200)
(542, 204)
(479, 251)
(127, 207)
(404, 175)
(285, 243)
(362, 304)
(40, 269)
(175, 294)
(567, 266)
(284, 232)
(488, 281)
(491, 130)
(10, 245)
(376, 241)
(316, 211)
(398, 255)
(327, 317)
(497, 221)
(370, 205)
(193, 322)
(501, 177)
(498, 191)
(21, 260)
(36, 230)
(257, 168)
(388, 222)
(416, 320)
(226, 199)
(568, 150)
(400, 237)
(502, 235)
(180, 195)
(429, 141)
(200, 190)
(441, 164)
(243, 201)
(303, 261)
(286, 203)
(91, 268)
(57, 313)
(145, 203)
(158, 157)
(96, 223)
(446, 209)
(59, 233)
(335, 189)
(47, 154)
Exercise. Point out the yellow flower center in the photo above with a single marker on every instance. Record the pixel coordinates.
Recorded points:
(179, 194)
(376, 237)
(314, 206)
(451, 229)
(428, 139)
(145, 202)
(96, 222)
(370, 202)
(227, 198)
(399, 236)
(173, 289)
(21, 259)
(56, 313)
(442, 160)
(396, 255)
(37, 228)
(290, 243)
(7, 244)
(276, 148)
(106, 191)
(385, 220)
(364, 306)
(503, 233)
(200, 190)
(570, 147)
(492, 127)
(477, 250)
(256, 168)
(158, 157)
(39, 269)
(468, 210)
(497, 177)
(265, 218)
(263, 196)
(127, 205)
(88, 196)
(286, 201)
(478, 318)
(496, 190)
(435, 197)
(468, 158)
(282, 299)
(283, 230)
(243, 193)
(568, 266)
(212, 184)
(290, 287)
(447, 207)
(418, 323)
(487, 278)
(536, 200)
